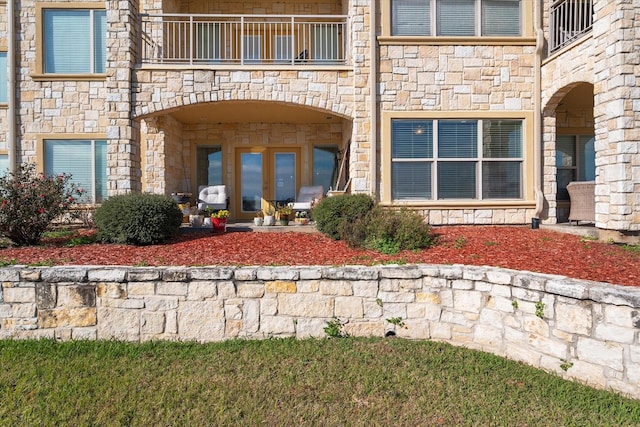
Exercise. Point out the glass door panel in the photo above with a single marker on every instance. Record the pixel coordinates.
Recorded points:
(284, 177)
(251, 172)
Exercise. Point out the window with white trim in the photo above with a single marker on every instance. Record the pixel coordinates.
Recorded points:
(74, 41)
(455, 18)
(456, 159)
(85, 160)
(575, 161)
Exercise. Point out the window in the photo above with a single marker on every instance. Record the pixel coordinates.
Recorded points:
(325, 43)
(4, 164)
(325, 166)
(252, 48)
(208, 42)
(85, 160)
(455, 18)
(456, 159)
(209, 167)
(3, 78)
(74, 41)
(575, 161)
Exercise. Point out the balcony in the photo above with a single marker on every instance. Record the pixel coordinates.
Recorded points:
(240, 40)
(568, 21)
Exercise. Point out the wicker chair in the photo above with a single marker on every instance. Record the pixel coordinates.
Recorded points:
(583, 201)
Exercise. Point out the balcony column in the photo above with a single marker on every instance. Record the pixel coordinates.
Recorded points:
(617, 122)
(123, 152)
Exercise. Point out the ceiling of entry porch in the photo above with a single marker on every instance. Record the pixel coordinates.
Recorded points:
(251, 111)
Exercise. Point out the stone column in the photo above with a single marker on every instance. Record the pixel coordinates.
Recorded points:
(123, 158)
(617, 113)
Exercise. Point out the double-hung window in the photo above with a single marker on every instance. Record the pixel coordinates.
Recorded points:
(85, 160)
(456, 18)
(4, 82)
(74, 41)
(456, 159)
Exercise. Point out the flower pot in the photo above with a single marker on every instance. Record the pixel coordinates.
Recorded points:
(206, 222)
(284, 221)
(219, 224)
(196, 220)
(269, 220)
(257, 220)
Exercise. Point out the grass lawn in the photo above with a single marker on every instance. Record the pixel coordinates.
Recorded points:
(344, 381)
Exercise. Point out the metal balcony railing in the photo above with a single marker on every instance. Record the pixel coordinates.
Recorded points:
(568, 21)
(243, 39)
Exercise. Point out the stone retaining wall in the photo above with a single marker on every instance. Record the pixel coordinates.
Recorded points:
(581, 330)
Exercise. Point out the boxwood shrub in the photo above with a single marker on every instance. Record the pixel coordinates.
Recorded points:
(138, 219)
(333, 211)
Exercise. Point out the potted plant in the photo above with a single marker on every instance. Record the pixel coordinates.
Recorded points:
(302, 217)
(283, 213)
(269, 217)
(219, 219)
(259, 218)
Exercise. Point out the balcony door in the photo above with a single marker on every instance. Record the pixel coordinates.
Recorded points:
(266, 177)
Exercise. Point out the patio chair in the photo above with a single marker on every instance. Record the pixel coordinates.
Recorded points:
(583, 201)
(307, 195)
(213, 196)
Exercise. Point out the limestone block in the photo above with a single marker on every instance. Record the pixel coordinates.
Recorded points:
(451, 272)
(499, 277)
(23, 310)
(474, 273)
(364, 329)
(11, 274)
(152, 323)
(160, 303)
(310, 328)
(13, 295)
(371, 309)
(592, 374)
(250, 290)
(462, 284)
(548, 346)
(396, 297)
(349, 307)
(46, 295)
(622, 315)
(88, 333)
(567, 287)
(201, 290)
(118, 323)
(268, 306)
(245, 273)
(389, 285)
(111, 290)
(63, 317)
(428, 297)
(209, 274)
(401, 272)
(201, 320)
(140, 289)
(226, 289)
(175, 275)
(251, 316)
(107, 275)
(278, 274)
(279, 286)
(349, 273)
(440, 331)
(304, 305)
(467, 300)
(146, 274)
(172, 288)
(536, 326)
(77, 296)
(122, 303)
(6, 310)
(502, 304)
(277, 325)
(488, 336)
(308, 286)
(64, 274)
(575, 318)
(335, 287)
(605, 354)
(310, 273)
(528, 281)
(28, 276)
(233, 309)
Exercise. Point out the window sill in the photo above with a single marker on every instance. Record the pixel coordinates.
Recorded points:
(463, 204)
(71, 77)
(464, 41)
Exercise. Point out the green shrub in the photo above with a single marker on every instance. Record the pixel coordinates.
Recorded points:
(388, 231)
(331, 212)
(29, 202)
(138, 219)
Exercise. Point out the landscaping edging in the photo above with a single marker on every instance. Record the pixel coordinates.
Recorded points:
(581, 330)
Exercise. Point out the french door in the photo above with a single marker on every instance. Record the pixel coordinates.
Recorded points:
(266, 178)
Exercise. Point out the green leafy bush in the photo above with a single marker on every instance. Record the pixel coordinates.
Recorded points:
(331, 212)
(138, 219)
(29, 202)
(388, 231)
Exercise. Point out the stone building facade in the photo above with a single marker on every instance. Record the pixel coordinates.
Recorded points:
(477, 114)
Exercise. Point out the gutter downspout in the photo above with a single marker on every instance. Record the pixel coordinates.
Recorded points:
(537, 115)
(373, 71)
(11, 89)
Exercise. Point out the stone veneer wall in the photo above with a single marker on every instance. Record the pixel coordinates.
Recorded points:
(543, 320)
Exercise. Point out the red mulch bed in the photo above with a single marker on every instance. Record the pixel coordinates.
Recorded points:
(518, 248)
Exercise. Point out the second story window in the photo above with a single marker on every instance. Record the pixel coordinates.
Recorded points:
(74, 41)
(455, 18)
